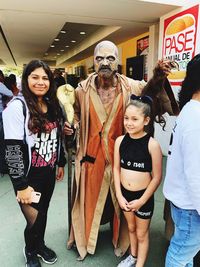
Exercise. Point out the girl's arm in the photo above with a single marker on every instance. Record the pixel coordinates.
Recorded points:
(60, 173)
(156, 156)
(62, 160)
(116, 171)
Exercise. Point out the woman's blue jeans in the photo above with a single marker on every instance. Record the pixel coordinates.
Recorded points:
(185, 243)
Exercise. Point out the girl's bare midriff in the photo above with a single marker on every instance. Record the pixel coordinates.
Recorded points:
(135, 180)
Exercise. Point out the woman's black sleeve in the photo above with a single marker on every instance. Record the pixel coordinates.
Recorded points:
(17, 161)
(62, 160)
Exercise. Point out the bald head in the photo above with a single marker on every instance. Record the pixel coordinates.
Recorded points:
(106, 45)
(106, 56)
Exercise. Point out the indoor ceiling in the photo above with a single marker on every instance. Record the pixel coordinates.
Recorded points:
(29, 29)
(70, 36)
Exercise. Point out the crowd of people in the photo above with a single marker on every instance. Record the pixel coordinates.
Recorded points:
(118, 162)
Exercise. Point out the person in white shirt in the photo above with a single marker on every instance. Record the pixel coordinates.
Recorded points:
(4, 92)
(182, 181)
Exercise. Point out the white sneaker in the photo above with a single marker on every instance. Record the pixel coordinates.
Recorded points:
(130, 261)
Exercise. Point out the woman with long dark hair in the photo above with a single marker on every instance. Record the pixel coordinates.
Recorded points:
(33, 131)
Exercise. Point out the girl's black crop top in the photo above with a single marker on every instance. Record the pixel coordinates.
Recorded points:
(134, 154)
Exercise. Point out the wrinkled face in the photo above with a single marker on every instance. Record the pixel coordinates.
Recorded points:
(38, 82)
(106, 58)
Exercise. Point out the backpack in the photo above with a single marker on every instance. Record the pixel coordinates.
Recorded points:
(3, 163)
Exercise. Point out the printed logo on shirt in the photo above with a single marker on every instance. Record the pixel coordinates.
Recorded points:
(171, 138)
(145, 214)
(45, 150)
(134, 164)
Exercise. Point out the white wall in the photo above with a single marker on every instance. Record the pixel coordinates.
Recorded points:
(163, 137)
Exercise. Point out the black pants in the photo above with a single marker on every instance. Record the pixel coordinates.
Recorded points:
(197, 260)
(36, 213)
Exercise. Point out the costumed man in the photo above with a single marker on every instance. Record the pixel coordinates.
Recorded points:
(99, 106)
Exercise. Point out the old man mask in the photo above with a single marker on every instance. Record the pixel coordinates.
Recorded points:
(106, 58)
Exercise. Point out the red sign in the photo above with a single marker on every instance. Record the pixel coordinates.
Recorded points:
(179, 41)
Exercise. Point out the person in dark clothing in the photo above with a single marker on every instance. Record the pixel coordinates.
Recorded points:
(58, 78)
(11, 83)
(34, 154)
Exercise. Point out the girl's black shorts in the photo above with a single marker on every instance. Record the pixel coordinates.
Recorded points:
(146, 211)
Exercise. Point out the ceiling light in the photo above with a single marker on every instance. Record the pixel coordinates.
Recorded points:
(73, 41)
(62, 50)
(58, 54)
(63, 31)
(52, 45)
(82, 33)
(46, 54)
(56, 39)
(67, 46)
(55, 57)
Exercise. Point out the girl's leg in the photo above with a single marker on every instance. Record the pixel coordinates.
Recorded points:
(130, 261)
(35, 228)
(30, 232)
(142, 233)
(45, 187)
(130, 218)
(31, 235)
(43, 223)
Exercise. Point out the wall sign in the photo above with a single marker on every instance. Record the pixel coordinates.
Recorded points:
(143, 50)
(179, 41)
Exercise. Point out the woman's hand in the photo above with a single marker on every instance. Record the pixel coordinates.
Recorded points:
(123, 203)
(24, 196)
(60, 174)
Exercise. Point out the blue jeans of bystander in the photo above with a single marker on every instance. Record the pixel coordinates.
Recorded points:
(185, 242)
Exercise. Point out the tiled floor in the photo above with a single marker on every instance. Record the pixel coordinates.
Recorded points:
(12, 225)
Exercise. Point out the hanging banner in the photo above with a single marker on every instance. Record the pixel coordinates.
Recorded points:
(179, 41)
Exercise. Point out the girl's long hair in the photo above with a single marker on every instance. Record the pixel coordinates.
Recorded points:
(191, 83)
(38, 120)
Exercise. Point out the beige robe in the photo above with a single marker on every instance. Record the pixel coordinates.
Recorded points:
(86, 243)
(82, 107)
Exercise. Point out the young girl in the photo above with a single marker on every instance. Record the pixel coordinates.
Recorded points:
(32, 131)
(137, 174)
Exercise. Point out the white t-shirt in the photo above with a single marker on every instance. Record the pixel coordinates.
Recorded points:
(182, 181)
(4, 91)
